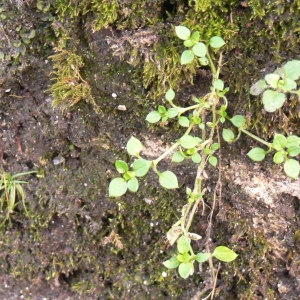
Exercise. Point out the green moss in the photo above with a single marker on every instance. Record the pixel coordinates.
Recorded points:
(69, 87)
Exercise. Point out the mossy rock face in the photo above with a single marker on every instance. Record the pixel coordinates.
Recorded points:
(79, 243)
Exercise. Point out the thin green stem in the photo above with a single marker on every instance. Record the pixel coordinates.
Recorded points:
(211, 64)
(269, 145)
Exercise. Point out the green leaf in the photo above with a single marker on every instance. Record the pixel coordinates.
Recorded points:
(133, 184)
(188, 141)
(184, 257)
(121, 166)
(182, 32)
(279, 157)
(172, 112)
(117, 187)
(177, 157)
(289, 85)
(153, 117)
(272, 80)
(186, 269)
(183, 245)
(293, 151)
(203, 61)
(141, 167)
(161, 109)
(187, 57)
(293, 140)
(225, 254)
(171, 263)
(257, 154)
(273, 100)
(228, 135)
(170, 95)
(202, 257)
(196, 158)
(200, 49)
(292, 168)
(238, 121)
(219, 84)
(168, 180)
(195, 36)
(292, 69)
(184, 121)
(258, 87)
(213, 161)
(215, 146)
(216, 42)
(134, 146)
(188, 43)
(279, 142)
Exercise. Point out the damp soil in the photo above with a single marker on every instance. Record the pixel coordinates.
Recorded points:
(76, 243)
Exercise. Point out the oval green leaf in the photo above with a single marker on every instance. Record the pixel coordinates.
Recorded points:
(177, 157)
(279, 142)
(225, 254)
(182, 32)
(141, 167)
(200, 49)
(171, 263)
(186, 269)
(272, 80)
(292, 69)
(238, 121)
(117, 187)
(292, 168)
(183, 245)
(172, 112)
(216, 42)
(168, 180)
(133, 184)
(170, 95)
(188, 141)
(213, 161)
(134, 146)
(279, 157)
(293, 151)
(121, 166)
(257, 154)
(196, 158)
(228, 135)
(273, 100)
(219, 84)
(187, 57)
(153, 117)
(184, 121)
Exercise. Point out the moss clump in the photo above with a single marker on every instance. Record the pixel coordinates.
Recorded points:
(69, 87)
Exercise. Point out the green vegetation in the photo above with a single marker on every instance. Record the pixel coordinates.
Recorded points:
(69, 87)
(11, 191)
(200, 143)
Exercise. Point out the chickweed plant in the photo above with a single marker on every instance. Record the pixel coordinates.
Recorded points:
(11, 191)
(201, 124)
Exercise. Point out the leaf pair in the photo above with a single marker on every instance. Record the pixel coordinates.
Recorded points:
(275, 85)
(286, 147)
(197, 48)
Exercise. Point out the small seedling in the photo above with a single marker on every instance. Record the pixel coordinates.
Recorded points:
(11, 191)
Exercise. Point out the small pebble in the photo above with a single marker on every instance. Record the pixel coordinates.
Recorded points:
(58, 160)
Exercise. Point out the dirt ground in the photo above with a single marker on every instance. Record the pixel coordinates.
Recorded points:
(77, 243)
